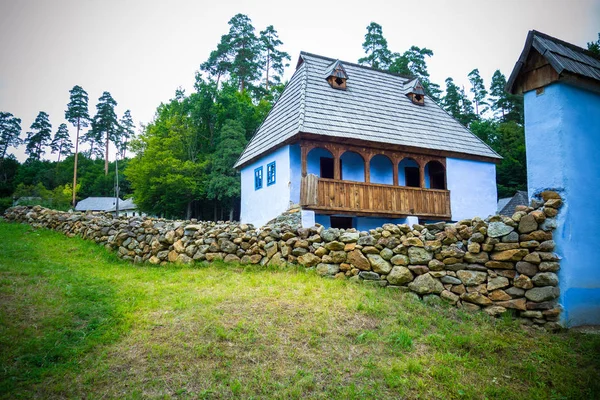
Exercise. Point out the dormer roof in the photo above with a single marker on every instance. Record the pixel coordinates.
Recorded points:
(373, 108)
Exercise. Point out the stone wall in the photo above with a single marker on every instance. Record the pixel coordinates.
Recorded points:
(494, 265)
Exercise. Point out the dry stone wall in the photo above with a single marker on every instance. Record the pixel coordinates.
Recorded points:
(493, 265)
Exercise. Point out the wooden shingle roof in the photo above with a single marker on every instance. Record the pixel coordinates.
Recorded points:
(565, 58)
(374, 108)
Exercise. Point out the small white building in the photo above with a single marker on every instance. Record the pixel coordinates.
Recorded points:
(127, 208)
(96, 204)
(358, 147)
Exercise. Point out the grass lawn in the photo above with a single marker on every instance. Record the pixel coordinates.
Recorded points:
(76, 322)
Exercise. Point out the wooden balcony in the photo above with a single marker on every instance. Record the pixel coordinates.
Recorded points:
(332, 196)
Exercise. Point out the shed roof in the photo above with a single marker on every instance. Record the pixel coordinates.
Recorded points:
(96, 204)
(564, 57)
(507, 205)
(374, 107)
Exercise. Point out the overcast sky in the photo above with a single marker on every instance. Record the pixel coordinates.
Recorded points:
(142, 51)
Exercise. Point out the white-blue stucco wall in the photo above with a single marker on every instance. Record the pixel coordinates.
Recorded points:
(381, 170)
(295, 173)
(472, 186)
(353, 167)
(562, 128)
(260, 206)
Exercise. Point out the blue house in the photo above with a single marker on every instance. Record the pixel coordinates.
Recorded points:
(561, 87)
(358, 147)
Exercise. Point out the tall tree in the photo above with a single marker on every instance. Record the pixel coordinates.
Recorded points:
(594, 47)
(457, 103)
(413, 62)
(78, 115)
(510, 105)
(467, 114)
(127, 130)
(274, 58)
(218, 63)
(223, 180)
(245, 49)
(39, 137)
(478, 90)
(499, 97)
(61, 143)
(105, 123)
(376, 49)
(10, 130)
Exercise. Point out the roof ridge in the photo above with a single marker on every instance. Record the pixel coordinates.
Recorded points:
(356, 65)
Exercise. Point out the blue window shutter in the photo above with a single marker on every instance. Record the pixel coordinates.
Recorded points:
(271, 173)
(258, 178)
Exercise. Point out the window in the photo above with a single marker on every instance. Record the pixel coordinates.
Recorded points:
(271, 173)
(341, 222)
(326, 168)
(258, 178)
(412, 176)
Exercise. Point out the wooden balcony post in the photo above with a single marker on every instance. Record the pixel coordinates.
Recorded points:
(336, 166)
(422, 173)
(367, 158)
(395, 163)
(303, 156)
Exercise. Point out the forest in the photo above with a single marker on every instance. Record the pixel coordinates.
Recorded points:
(180, 165)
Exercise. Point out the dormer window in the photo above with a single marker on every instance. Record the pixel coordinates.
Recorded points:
(336, 76)
(417, 93)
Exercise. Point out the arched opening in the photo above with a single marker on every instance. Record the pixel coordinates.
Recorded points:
(382, 170)
(352, 167)
(320, 162)
(408, 173)
(435, 175)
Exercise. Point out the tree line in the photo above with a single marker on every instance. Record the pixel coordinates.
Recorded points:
(183, 160)
(33, 180)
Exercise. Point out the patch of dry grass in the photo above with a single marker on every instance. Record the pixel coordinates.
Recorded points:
(229, 331)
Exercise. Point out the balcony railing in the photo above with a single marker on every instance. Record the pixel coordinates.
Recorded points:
(359, 198)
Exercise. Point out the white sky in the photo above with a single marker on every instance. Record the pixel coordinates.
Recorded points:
(141, 51)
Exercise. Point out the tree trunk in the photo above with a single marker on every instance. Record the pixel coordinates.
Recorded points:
(215, 211)
(231, 214)
(75, 164)
(222, 214)
(188, 214)
(106, 156)
(268, 59)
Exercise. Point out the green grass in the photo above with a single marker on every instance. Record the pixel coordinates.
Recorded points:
(76, 322)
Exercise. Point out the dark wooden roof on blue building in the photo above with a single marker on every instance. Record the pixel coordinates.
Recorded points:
(565, 58)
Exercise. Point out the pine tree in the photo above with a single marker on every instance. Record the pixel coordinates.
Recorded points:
(245, 48)
(478, 90)
(61, 143)
(467, 114)
(78, 115)
(412, 62)
(375, 46)
(10, 130)
(39, 137)
(274, 58)
(126, 132)
(451, 100)
(218, 63)
(499, 97)
(105, 123)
